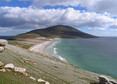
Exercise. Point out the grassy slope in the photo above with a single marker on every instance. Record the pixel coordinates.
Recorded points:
(53, 71)
(21, 44)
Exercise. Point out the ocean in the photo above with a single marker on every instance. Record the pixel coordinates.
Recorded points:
(4, 37)
(93, 54)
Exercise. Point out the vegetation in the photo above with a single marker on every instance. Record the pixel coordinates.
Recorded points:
(43, 67)
(20, 44)
(54, 32)
(14, 78)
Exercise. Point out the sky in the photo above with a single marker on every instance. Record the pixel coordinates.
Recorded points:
(97, 17)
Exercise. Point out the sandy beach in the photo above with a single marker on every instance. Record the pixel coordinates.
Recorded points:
(40, 47)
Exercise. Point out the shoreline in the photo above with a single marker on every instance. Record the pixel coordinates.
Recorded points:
(40, 48)
(45, 44)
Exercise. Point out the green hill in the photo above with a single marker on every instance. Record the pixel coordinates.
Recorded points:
(58, 31)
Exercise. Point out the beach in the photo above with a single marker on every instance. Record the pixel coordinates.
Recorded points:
(40, 47)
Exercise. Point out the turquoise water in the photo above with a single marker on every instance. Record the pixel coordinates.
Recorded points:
(95, 54)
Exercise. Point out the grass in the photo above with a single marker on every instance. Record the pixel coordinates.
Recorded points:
(15, 78)
(19, 44)
(44, 68)
(24, 36)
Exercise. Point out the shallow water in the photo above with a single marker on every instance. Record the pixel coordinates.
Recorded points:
(93, 54)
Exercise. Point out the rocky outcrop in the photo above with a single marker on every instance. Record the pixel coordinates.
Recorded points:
(9, 66)
(3, 43)
(16, 69)
(105, 80)
(20, 70)
(2, 49)
(42, 81)
(2, 70)
(1, 64)
(32, 78)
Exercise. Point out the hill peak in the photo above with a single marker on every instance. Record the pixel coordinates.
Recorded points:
(58, 31)
(61, 27)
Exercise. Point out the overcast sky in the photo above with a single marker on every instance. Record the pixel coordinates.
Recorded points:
(97, 17)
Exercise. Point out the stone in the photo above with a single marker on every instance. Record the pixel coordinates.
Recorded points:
(1, 49)
(1, 64)
(28, 60)
(105, 80)
(3, 42)
(3, 70)
(47, 82)
(20, 70)
(41, 80)
(25, 74)
(9, 66)
(32, 78)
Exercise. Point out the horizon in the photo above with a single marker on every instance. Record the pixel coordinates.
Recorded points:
(95, 17)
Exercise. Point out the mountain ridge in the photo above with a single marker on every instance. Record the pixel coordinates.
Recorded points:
(58, 31)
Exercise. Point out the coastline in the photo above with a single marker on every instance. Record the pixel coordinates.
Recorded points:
(55, 64)
(41, 47)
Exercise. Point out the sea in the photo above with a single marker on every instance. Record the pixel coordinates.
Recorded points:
(93, 54)
(4, 37)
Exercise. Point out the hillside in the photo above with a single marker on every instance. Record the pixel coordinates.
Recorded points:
(54, 32)
(38, 66)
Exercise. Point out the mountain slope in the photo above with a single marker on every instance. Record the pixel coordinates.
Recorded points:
(58, 31)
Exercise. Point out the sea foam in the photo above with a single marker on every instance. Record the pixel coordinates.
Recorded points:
(55, 54)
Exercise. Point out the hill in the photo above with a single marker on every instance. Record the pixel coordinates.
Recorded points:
(58, 31)
(39, 66)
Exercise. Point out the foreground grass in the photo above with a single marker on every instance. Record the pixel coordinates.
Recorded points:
(15, 78)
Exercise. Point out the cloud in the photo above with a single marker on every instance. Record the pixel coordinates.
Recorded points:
(5, 29)
(21, 18)
(102, 6)
(40, 3)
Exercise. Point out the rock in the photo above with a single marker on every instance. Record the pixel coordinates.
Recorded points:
(28, 60)
(3, 70)
(25, 74)
(32, 78)
(1, 64)
(9, 66)
(47, 82)
(3, 42)
(20, 70)
(41, 80)
(105, 80)
(1, 49)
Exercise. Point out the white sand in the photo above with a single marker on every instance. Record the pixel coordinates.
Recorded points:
(41, 46)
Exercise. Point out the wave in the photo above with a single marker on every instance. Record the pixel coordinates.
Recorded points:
(55, 53)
